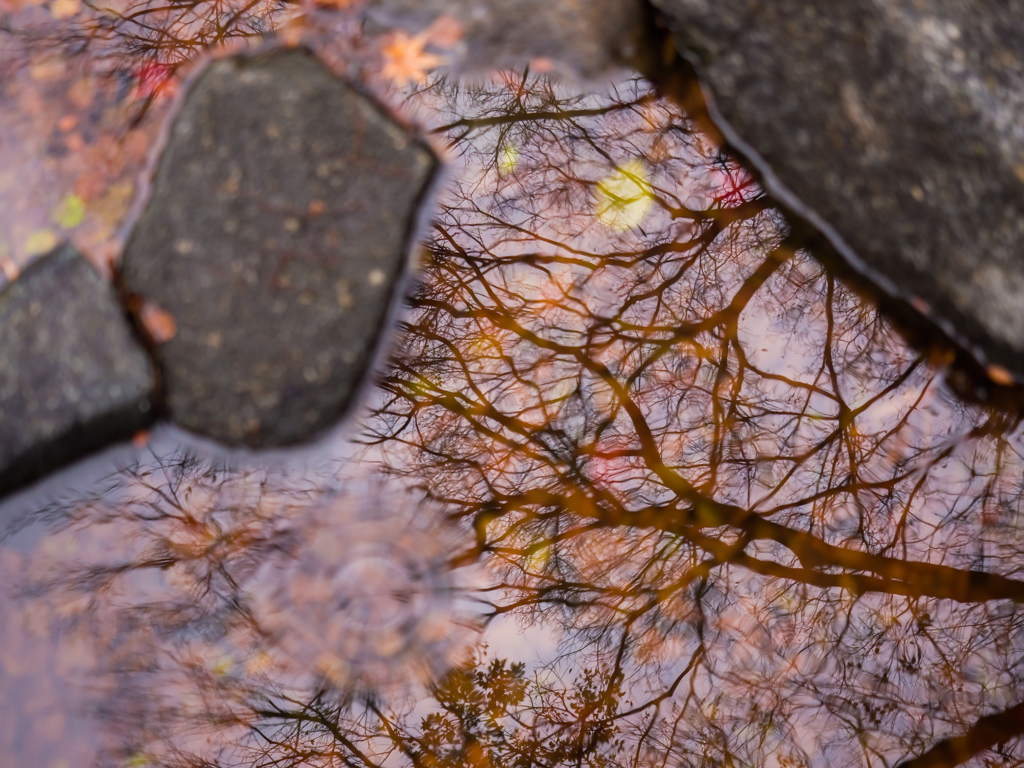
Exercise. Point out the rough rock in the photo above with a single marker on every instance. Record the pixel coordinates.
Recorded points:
(276, 235)
(897, 127)
(73, 378)
(586, 38)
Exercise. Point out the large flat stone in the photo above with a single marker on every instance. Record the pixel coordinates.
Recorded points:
(276, 233)
(72, 376)
(897, 126)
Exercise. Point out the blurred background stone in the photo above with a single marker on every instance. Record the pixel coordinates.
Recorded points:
(899, 124)
(275, 237)
(72, 376)
(586, 38)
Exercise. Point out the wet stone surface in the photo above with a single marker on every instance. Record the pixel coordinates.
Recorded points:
(581, 38)
(900, 124)
(72, 377)
(275, 236)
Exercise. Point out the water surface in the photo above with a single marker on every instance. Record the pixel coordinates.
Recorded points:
(642, 484)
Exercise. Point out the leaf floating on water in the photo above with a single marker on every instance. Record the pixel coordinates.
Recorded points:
(65, 9)
(9, 268)
(508, 158)
(623, 198)
(1000, 375)
(158, 323)
(39, 242)
(70, 213)
(405, 61)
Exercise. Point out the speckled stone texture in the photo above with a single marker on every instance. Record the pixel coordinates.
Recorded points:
(72, 376)
(578, 38)
(901, 124)
(276, 234)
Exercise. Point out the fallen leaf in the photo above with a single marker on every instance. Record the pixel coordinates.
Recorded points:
(41, 241)
(1000, 375)
(70, 213)
(65, 9)
(159, 324)
(405, 61)
(508, 158)
(623, 197)
(10, 269)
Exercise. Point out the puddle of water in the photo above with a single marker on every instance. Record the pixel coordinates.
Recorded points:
(644, 484)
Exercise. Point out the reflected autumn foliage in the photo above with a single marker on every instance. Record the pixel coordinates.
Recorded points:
(716, 513)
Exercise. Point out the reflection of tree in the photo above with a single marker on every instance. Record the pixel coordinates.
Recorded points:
(758, 526)
(140, 34)
(832, 533)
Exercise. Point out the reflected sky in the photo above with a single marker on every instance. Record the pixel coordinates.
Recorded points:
(642, 484)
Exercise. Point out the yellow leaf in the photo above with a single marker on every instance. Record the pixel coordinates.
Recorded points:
(41, 241)
(508, 157)
(624, 197)
(70, 213)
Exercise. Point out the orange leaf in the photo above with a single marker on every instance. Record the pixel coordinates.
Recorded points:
(9, 268)
(159, 324)
(405, 61)
(65, 9)
(1000, 375)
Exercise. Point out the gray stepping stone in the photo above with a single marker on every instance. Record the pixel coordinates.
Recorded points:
(895, 126)
(73, 378)
(276, 235)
